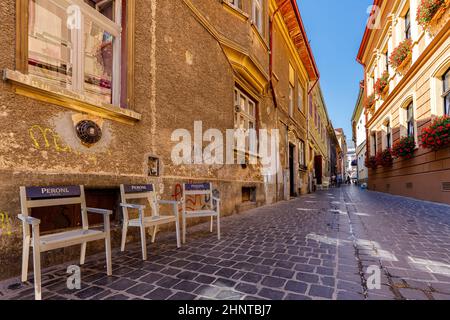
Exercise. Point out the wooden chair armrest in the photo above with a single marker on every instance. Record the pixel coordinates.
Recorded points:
(29, 220)
(132, 206)
(172, 202)
(100, 211)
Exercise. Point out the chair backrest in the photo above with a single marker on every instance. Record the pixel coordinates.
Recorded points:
(139, 191)
(198, 189)
(50, 196)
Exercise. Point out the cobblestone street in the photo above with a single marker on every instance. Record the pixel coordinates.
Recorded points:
(314, 247)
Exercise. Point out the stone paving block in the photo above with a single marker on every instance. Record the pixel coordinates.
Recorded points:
(273, 282)
(283, 273)
(122, 284)
(252, 277)
(321, 291)
(141, 289)
(159, 294)
(247, 288)
(307, 277)
(207, 291)
(182, 296)
(271, 294)
(296, 286)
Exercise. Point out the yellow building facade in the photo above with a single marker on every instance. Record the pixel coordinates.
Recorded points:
(415, 95)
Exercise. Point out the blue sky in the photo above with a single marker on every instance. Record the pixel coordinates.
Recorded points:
(335, 30)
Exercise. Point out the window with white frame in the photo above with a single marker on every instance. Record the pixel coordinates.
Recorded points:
(76, 45)
(408, 25)
(301, 154)
(386, 59)
(258, 15)
(236, 3)
(446, 94)
(245, 115)
(388, 135)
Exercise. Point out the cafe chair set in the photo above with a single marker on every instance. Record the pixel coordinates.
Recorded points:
(42, 197)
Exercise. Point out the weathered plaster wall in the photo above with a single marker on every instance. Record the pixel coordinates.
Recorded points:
(181, 75)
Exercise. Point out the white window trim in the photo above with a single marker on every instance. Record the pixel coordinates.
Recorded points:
(436, 89)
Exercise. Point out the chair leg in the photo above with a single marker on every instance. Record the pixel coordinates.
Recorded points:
(143, 243)
(211, 224)
(108, 245)
(155, 230)
(218, 226)
(124, 236)
(83, 253)
(184, 229)
(177, 231)
(108, 255)
(25, 257)
(37, 264)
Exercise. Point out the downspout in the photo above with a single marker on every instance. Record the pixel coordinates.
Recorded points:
(272, 87)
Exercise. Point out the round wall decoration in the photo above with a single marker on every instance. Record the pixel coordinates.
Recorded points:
(88, 132)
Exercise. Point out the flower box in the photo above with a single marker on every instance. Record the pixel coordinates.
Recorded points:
(404, 148)
(404, 66)
(371, 163)
(430, 15)
(370, 102)
(437, 135)
(400, 58)
(384, 158)
(381, 87)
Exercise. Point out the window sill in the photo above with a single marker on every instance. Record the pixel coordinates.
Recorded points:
(32, 87)
(234, 10)
(260, 37)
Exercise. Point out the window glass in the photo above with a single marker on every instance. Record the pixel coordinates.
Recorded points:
(446, 80)
(98, 62)
(300, 97)
(388, 135)
(50, 43)
(410, 120)
(257, 14)
(80, 57)
(291, 100)
(408, 25)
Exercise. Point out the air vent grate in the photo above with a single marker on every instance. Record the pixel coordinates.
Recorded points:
(446, 186)
(409, 185)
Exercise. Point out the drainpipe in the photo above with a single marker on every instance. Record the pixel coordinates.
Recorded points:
(272, 87)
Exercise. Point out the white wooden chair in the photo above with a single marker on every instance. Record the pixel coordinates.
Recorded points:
(200, 189)
(147, 191)
(34, 197)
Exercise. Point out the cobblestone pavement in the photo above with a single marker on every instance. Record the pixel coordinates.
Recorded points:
(314, 247)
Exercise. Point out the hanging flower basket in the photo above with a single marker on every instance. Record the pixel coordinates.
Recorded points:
(382, 84)
(370, 101)
(437, 135)
(371, 162)
(404, 148)
(430, 12)
(384, 158)
(401, 56)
